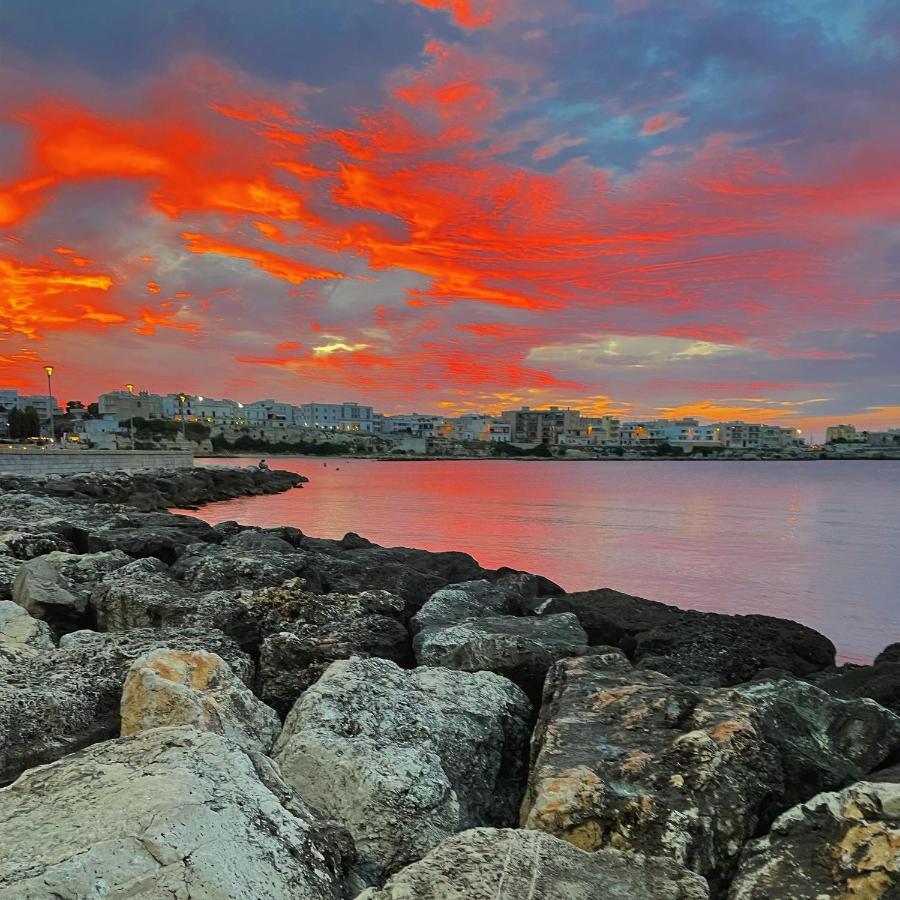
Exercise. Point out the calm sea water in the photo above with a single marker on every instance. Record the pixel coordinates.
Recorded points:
(818, 542)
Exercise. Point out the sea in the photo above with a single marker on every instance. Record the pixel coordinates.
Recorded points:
(814, 541)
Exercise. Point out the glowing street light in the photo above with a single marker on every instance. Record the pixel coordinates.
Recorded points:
(130, 389)
(182, 399)
(49, 371)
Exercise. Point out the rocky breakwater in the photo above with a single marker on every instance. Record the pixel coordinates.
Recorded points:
(236, 712)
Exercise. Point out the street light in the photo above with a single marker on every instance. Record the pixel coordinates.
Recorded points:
(182, 399)
(130, 389)
(49, 371)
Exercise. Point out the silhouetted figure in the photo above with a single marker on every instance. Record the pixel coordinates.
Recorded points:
(263, 466)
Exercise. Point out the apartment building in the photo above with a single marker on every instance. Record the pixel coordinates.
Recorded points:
(335, 416)
(415, 424)
(124, 405)
(542, 426)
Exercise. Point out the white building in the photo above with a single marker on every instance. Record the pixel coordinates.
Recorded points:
(468, 427)
(335, 416)
(9, 398)
(415, 424)
(126, 405)
(99, 433)
(197, 408)
(268, 414)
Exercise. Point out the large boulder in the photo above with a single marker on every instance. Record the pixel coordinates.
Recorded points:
(495, 864)
(301, 633)
(715, 649)
(610, 617)
(633, 760)
(891, 654)
(21, 636)
(172, 812)
(521, 649)
(404, 759)
(160, 535)
(629, 758)
(206, 567)
(58, 701)
(177, 687)
(836, 846)
(507, 596)
(57, 586)
(879, 682)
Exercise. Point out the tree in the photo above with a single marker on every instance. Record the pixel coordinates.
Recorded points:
(24, 424)
(94, 410)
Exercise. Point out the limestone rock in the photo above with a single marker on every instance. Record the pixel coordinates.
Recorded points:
(632, 760)
(9, 569)
(17, 627)
(303, 633)
(57, 586)
(172, 812)
(471, 600)
(404, 759)
(891, 654)
(160, 535)
(612, 618)
(208, 567)
(176, 687)
(504, 864)
(879, 682)
(521, 649)
(58, 701)
(836, 846)
(715, 649)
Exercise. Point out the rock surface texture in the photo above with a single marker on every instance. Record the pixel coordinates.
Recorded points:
(631, 759)
(404, 759)
(837, 846)
(172, 812)
(504, 864)
(175, 687)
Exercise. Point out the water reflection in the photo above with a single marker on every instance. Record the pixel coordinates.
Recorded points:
(818, 542)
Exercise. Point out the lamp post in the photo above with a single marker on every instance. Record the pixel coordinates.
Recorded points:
(130, 389)
(182, 399)
(49, 371)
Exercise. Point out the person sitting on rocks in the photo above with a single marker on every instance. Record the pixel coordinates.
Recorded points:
(263, 466)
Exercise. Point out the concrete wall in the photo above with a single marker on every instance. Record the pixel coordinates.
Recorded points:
(69, 462)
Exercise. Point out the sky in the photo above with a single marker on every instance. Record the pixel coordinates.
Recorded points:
(634, 207)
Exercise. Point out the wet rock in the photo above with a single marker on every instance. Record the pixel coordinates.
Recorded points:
(879, 682)
(404, 759)
(714, 649)
(197, 688)
(489, 863)
(521, 649)
(57, 586)
(172, 812)
(610, 617)
(58, 701)
(837, 845)
(632, 760)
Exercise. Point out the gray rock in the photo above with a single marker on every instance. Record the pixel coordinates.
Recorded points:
(9, 569)
(521, 649)
(470, 600)
(404, 759)
(879, 682)
(207, 567)
(836, 846)
(715, 649)
(18, 627)
(612, 618)
(631, 759)
(504, 864)
(197, 688)
(57, 586)
(303, 633)
(172, 812)
(890, 654)
(58, 701)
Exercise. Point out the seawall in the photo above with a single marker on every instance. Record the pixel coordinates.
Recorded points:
(70, 462)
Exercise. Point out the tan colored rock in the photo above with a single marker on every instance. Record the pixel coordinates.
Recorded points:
(840, 845)
(175, 687)
(21, 635)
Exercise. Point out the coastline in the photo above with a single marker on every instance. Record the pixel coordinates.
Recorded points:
(139, 647)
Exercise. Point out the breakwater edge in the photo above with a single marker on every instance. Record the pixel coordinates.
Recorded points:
(352, 720)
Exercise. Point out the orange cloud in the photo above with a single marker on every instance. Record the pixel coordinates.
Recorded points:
(464, 12)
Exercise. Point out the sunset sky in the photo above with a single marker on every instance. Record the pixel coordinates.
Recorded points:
(633, 206)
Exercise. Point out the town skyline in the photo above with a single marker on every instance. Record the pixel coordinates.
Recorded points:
(626, 206)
